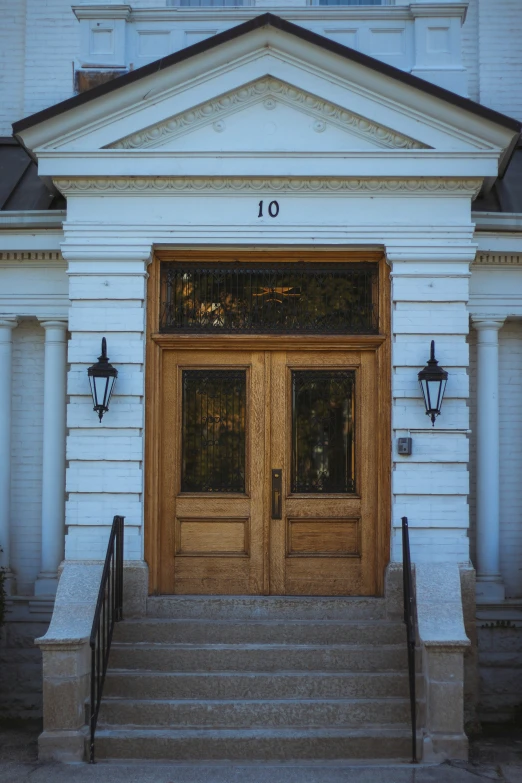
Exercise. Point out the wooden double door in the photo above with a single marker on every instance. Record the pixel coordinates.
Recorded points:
(269, 470)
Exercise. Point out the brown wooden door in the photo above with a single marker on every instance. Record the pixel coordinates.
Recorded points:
(213, 506)
(323, 437)
(229, 524)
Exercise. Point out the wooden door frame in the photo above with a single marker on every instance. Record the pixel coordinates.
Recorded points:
(156, 343)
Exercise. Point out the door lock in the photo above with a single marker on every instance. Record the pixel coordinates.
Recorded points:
(277, 490)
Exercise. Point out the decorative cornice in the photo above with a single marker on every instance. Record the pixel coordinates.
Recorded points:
(31, 255)
(217, 185)
(269, 91)
(498, 259)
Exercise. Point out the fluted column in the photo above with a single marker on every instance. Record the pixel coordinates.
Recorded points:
(53, 470)
(6, 374)
(490, 587)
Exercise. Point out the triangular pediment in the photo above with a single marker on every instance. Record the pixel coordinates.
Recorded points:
(267, 114)
(245, 100)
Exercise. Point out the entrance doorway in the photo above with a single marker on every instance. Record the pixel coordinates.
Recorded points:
(266, 452)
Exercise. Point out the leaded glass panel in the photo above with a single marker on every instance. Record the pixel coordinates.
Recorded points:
(301, 297)
(213, 437)
(323, 431)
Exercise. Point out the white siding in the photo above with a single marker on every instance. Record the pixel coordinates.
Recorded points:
(431, 486)
(104, 474)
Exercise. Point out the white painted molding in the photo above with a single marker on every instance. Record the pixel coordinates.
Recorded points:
(294, 14)
(269, 91)
(137, 185)
(498, 259)
(24, 219)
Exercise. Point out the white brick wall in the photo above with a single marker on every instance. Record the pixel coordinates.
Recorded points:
(27, 428)
(12, 55)
(500, 55)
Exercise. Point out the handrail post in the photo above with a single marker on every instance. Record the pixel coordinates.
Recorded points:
(109, 610)
(409, 619)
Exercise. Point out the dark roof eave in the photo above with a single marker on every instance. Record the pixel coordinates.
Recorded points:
(264, 20)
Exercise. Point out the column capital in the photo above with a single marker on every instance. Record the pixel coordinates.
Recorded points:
(8, 322)
(481, 323)
(54, 323)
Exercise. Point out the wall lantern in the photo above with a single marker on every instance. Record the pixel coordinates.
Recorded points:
(433, 380)
(102, 376)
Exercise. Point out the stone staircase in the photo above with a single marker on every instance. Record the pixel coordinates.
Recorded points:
(257, 678)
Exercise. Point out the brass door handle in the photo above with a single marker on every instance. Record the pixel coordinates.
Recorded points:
(277, 490)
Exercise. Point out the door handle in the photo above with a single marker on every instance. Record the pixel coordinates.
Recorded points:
(277, 490)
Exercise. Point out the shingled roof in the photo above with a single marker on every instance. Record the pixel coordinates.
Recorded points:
(20, 186)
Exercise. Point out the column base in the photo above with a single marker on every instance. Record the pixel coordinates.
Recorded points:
(490, 590)
(46, 583)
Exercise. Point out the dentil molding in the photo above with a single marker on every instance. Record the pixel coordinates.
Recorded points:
(498, 259)
(31, 255)
(217, 185)
(269, 91)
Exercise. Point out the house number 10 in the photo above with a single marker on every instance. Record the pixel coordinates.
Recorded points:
(273, 209)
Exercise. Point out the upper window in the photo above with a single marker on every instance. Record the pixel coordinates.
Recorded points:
(207, 3)
(353, 2)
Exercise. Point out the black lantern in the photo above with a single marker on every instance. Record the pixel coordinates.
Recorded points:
(102, 376)
(433, 380)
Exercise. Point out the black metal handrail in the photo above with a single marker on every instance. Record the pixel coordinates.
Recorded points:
(409, 619)
(109, 610)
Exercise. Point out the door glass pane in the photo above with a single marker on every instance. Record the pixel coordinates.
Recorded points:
(323, 424)
(213, 437)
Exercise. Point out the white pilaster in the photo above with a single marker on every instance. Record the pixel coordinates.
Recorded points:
(490, 587)
(6, 354)
(53, 472)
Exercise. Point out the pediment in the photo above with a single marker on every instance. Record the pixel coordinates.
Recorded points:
(275, 100)
(267, 114)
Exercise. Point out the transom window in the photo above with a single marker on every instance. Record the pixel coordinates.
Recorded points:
(301, 297)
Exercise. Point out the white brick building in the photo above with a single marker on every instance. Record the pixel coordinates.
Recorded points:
(276, 139)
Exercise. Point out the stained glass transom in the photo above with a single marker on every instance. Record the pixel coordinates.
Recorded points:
(307, 298)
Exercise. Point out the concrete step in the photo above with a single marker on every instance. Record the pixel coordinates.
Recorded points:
(223, 714)
(264, 657)
(269, 607)
(253, 744)
(259, 632)
(255, 685)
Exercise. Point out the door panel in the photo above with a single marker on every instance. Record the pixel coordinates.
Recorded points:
(213, 471)
(325, 404)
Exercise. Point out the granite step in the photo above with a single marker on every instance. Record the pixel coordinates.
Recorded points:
(252, 657)
(270, 607)
(279, 744)
(252, 713)
(314, 632)
(255, 685)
